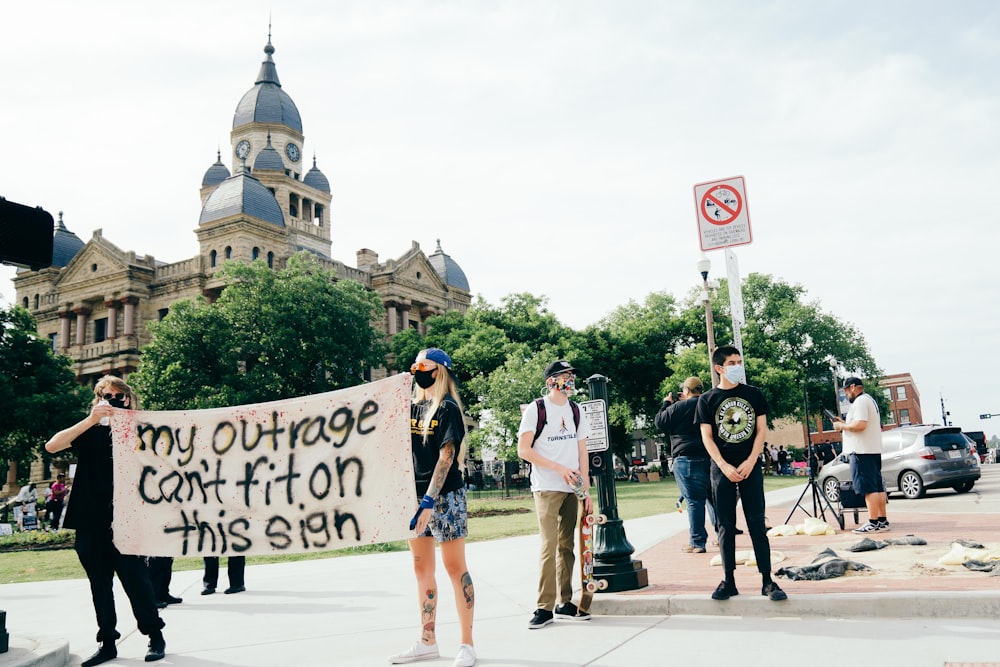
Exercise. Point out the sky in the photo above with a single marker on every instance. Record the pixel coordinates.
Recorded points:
(553, 146)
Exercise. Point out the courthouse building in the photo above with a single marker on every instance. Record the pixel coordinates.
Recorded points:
(96, 299)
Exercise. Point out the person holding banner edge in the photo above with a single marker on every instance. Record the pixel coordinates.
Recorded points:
(437, 430)
(89, 512)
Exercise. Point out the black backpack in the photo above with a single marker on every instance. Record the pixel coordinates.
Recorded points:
(540, 405)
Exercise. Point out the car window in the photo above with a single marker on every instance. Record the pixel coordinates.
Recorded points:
(946, 441)
(908, 437)
(890, 442)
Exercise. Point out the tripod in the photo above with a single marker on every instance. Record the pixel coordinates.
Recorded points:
(818, 497)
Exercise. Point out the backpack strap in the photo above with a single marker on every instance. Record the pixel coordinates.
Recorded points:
(540, 405)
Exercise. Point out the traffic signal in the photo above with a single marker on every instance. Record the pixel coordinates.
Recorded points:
(25, 235)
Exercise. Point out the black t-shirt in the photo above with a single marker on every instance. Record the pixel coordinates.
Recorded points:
(93, 485)
(446, 426)
(733, 415)
(677, 420)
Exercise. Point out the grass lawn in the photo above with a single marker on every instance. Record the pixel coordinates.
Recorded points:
(492, 518)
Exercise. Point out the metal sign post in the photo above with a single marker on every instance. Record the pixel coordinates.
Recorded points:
(612, 551)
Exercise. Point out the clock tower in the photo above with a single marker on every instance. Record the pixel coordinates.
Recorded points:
(267, 144)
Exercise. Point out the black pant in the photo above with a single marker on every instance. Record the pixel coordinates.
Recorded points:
(234, 569)
(101, 561)
(160, 573)
(751, 492)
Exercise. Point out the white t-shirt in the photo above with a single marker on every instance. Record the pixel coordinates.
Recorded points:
(558, 441)
(868, 441)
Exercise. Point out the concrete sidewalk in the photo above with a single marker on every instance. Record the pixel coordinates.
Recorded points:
(357, 610)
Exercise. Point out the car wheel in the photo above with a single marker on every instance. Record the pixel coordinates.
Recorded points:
(964, 487)
(831, 489)
(911, 485)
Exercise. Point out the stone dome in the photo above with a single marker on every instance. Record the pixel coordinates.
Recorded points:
(449, 270)
(316, 179)
(266, 102)
(242, 193)
(216, 173)
(268, 159)
(65, 244)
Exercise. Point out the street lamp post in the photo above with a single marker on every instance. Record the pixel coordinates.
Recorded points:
(704, 264)
(834, 365)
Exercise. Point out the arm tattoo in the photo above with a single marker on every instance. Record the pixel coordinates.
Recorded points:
(445, 458)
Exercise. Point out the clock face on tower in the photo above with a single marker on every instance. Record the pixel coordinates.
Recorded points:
(292, 151)
(243, 149)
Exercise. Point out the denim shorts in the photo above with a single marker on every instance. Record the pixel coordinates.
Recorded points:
(450, 518)
(866, 473)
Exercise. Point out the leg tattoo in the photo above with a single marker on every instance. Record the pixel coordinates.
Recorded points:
(428, 611)
(468, 590)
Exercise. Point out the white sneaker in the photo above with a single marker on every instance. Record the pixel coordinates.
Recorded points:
(466, 656)
(419, 651)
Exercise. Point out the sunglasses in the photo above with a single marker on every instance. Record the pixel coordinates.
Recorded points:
(422, 366)
(117, 397)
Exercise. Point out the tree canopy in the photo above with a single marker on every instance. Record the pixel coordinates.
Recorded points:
(37, 389)
(270, 335)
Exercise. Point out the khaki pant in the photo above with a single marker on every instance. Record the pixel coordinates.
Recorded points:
(557, 514)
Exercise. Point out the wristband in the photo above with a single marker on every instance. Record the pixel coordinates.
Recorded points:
(426, 503)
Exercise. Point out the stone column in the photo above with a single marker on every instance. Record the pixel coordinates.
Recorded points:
(129, 324)
(81, 324)
(112, 307)
(390, 310)
(64, 319)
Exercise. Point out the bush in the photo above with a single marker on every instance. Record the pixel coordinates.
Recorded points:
(27, 540)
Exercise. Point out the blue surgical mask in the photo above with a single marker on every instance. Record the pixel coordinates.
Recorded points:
(734, 373)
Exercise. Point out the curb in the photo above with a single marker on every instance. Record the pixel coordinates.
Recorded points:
(27, 651)
(943, 604)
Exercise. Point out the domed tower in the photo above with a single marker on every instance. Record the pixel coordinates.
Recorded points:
(213, 176)
(449, 270)
(267, 144)
(65, 244)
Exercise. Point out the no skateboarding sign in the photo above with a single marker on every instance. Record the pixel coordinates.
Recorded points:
(723, 217)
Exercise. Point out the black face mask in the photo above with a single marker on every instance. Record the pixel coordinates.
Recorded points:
(425, 379)
(117, 402)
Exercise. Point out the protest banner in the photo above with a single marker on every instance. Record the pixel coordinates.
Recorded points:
(313, 473)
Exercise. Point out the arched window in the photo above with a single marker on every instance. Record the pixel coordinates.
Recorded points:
(229, 252)
(255, 254)
(213, 258)
(270, 260)
(24, 303)
(36, 302)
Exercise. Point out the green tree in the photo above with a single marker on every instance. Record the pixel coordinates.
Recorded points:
(270, 335)
(37, 389)
(788, 343)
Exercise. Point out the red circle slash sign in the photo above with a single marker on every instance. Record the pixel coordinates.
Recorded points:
(721, 205)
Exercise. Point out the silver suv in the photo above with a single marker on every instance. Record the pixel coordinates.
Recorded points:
(914, 459)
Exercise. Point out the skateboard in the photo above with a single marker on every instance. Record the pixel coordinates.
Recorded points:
(588, 585)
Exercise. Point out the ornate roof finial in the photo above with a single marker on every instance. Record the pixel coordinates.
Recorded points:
(61, 225)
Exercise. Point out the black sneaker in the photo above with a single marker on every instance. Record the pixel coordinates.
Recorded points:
(883, 527)
(870, 527)
(772, 591)
(570, 612)
(540, 619)
(724, 591)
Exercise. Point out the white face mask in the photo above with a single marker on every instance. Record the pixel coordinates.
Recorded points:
(734, 373)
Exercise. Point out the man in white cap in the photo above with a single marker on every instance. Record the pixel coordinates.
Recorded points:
(863, 444)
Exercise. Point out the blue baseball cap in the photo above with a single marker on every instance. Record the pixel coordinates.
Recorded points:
(438, 356)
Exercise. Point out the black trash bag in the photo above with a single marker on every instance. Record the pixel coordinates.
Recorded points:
(907, 541)
(868, 544)
(826, 565)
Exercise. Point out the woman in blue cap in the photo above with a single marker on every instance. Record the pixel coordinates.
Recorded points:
(437, 431)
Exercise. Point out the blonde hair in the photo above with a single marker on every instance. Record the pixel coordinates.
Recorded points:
(115, 385)
(444, 385)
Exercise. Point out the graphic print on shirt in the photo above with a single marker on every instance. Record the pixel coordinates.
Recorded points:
(735, 419)
(564, 432)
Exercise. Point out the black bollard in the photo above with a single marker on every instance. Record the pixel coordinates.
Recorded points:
(613, 560)
(4, 635)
